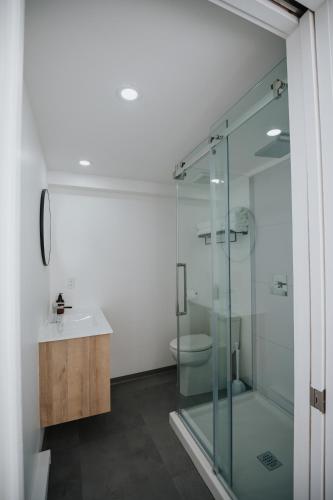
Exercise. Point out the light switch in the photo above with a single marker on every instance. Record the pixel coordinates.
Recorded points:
(279, 285)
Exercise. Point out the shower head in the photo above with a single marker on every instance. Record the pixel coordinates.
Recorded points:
(278, 147)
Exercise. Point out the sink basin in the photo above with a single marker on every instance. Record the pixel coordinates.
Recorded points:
(75, 323)
(79, 319)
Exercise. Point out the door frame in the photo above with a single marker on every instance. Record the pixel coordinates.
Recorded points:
(11, 83)
(309, 270)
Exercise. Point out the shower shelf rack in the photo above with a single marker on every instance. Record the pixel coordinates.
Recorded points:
(220, 236)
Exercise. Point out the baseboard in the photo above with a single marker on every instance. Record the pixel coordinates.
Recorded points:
(200, 460)
(41, 475)
(148, 373)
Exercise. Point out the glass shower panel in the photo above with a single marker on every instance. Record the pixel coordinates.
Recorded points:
(262, 296)
(194, 297)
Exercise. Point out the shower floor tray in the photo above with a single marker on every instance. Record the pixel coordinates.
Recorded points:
(260, 427)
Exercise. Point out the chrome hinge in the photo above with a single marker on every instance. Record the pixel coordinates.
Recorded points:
(278, 87)
(215, 138)
(318, 399)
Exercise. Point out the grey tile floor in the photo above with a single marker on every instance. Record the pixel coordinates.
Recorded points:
(128, 454)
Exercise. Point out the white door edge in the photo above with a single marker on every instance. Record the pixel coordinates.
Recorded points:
(11, 81)
(324, 46)
(309, 272)
(264, 13)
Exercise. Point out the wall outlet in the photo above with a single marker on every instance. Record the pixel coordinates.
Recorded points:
(70, 283)
(279, 285)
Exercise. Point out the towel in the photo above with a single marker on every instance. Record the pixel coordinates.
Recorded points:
(238, 222)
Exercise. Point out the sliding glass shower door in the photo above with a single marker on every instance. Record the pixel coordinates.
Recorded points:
(197, 335)
(235, 294)
(253, 268)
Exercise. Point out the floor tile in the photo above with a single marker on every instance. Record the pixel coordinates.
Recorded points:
(65, 479)
(69, 490)
(157, 402)
(61, 436)
(172, 452)
(191, 487)
(128, 454)
(118, 460)
(117, 421)
(157, 486)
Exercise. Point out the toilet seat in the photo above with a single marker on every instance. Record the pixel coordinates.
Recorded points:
(192, 343)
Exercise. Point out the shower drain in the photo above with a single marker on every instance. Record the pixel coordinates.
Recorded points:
(269, 460)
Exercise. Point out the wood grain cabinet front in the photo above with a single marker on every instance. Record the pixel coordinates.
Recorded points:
(74, 379)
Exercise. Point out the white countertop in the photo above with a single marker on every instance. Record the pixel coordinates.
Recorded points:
(75, 323)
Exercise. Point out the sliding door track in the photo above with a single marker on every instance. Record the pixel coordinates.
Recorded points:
(291, 6)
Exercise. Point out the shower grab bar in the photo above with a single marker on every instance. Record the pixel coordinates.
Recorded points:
(184, 312)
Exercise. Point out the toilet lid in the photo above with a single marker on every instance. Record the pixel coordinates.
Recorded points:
(192, 343)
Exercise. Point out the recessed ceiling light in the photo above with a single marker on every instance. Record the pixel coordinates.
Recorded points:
(217, 181)
(129, 94)
(273, 132)
(84, 163)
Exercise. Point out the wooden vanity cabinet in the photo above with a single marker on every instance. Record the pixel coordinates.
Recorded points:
(74, 378)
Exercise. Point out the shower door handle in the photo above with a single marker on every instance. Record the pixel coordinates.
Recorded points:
(184, 311)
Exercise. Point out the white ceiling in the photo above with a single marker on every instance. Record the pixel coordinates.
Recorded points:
(189, 59)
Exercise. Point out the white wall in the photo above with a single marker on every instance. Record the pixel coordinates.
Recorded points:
(271, 205)
(34, 287)
(121, 251)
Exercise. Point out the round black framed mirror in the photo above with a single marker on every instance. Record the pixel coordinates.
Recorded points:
(45, 226)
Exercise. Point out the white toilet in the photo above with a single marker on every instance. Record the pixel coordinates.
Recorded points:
(195, 355)
(196, 358)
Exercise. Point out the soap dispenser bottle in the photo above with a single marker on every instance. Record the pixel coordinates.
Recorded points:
(59, 305)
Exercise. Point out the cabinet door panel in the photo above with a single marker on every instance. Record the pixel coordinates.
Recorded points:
(74, 379)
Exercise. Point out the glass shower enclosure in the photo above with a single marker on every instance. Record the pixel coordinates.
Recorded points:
(235, 294)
